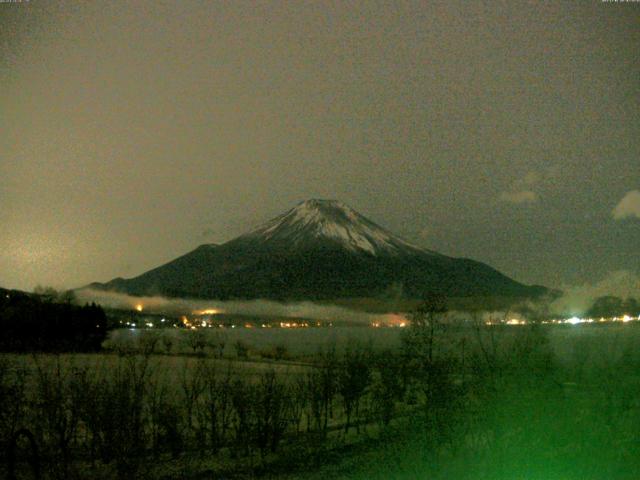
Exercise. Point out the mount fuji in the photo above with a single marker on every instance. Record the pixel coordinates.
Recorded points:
(318, 250)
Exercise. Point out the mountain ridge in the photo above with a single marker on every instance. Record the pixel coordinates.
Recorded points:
(319, 249)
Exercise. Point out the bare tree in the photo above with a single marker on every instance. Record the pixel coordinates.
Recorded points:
(388, 384)
(242, 399)
(297, 391)
(13, 384)
(242, 349)
(192, 385)
(218, 343)
(426, 323)
(321, 388)
(54, 408)
(148, 341)
(216, 413)
(270, 412)
(167, 342)
(196, 339)
(354, 376)
(431, 365)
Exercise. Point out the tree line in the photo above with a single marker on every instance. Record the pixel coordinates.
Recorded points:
(49, 322)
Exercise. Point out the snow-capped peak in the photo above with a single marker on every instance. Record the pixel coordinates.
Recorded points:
(315, 220)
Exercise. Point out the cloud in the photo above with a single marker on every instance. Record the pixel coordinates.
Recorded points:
(179, 306)
(629, 206)
(522, 196)
(522, 190)
(576, 300)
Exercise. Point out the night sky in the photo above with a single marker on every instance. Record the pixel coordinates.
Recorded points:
(132, 132)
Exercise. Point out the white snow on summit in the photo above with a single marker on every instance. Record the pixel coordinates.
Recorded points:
(314, 220)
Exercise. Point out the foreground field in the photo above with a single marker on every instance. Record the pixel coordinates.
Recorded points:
(463, 402)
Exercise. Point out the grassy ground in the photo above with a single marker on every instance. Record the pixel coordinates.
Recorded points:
(562, 405)
(525, 432)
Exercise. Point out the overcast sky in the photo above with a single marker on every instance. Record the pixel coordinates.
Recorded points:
(131, 132)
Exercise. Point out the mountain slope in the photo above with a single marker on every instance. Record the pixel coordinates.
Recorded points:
(320, 249)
